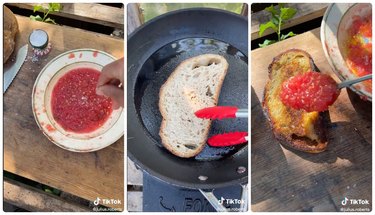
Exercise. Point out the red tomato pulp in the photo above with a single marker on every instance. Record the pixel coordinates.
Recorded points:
(311, 91)
(359, 49)
(75, 105)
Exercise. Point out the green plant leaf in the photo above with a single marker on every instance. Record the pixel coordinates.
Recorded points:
(266, 43)
(50, 20)
(275, 20)
(287, 13)
(54, 7)
(37, 8)
(36, 18)
(271, 9)
(56, 191)
(265, 26)
(290, 34)
(47, 190)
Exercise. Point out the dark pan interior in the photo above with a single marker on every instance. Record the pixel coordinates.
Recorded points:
(154, 51)
(162, 63)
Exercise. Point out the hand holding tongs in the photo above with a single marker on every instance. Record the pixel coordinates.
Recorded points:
(221, 112)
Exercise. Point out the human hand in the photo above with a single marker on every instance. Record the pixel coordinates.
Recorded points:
(111, 82)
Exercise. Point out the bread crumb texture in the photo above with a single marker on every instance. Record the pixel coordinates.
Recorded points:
(193, 85)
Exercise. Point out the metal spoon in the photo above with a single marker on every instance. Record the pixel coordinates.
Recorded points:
(353, 81)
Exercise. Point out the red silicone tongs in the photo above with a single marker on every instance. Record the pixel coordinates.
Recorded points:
(221, 112)
(228, 139)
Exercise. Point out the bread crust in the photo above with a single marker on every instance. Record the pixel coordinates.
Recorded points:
(171, 78)
(9, 33)
(296, 142)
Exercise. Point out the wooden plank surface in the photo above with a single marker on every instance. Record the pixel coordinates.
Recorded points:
(285, 180)
(245, 10)
(135, 175)
(135, 179)
(32, 199)
(134, 17)
(305, 12)
(135, 199)
(27, 152)
(93, 13)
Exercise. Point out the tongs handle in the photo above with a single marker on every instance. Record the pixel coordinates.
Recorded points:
(242, 113)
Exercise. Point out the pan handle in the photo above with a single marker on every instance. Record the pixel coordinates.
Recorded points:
(245, 198)
(211, 198)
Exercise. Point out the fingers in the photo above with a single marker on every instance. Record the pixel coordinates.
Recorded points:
(115, 93)
(112, 71)
(111, 77)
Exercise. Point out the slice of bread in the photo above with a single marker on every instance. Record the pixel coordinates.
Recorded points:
(297, 129)
(193, 85)
(9, 33)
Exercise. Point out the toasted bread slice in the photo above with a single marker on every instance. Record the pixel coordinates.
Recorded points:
(298, 129)
(193, 85)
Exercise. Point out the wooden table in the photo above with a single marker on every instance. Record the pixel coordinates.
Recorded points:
(28, 153)
(285, 180)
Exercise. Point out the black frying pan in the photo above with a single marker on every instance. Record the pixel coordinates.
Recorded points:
(154, 51)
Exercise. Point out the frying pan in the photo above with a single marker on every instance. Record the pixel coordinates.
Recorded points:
(154, 51)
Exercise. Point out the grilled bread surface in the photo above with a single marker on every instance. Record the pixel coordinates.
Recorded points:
(298, 129)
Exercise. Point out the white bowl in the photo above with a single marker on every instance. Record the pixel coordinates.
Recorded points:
(334, 34)
(105, 135)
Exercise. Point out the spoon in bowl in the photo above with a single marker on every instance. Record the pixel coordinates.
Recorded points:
(348, 83)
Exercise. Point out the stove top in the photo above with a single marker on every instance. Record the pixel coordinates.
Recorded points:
(159, 196)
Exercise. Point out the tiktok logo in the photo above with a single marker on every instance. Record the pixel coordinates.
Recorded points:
(345, 201)
(221, 201)
(97, 201)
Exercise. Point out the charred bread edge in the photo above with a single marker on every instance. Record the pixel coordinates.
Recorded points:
(320, 126)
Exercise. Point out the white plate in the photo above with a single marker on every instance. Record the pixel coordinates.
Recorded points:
(102, 137)
(334, 32)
